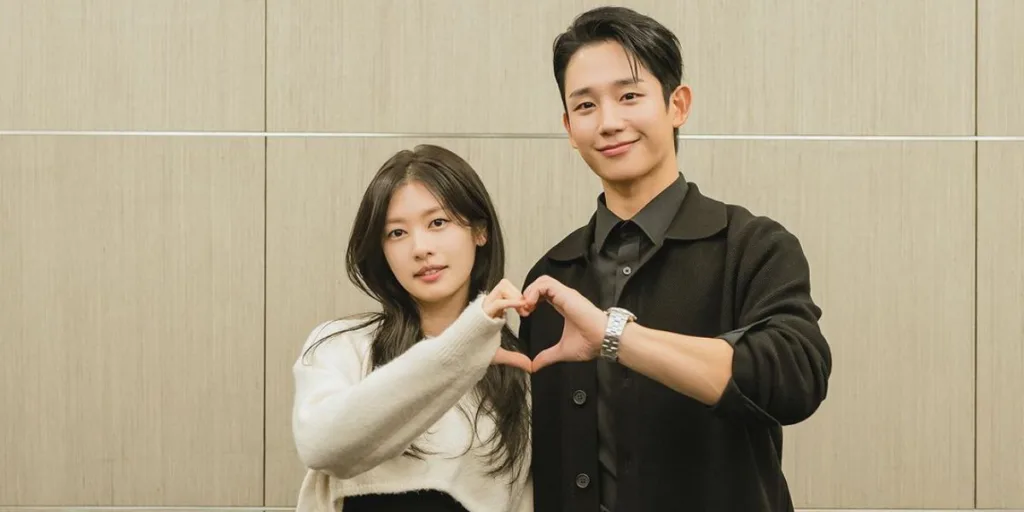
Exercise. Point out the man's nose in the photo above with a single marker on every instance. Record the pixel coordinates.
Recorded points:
(611, 120)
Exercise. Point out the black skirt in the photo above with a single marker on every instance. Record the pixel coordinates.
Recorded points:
(418, 501)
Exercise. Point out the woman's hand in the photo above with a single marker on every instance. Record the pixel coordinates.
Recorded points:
(502, 297)
(507, 296)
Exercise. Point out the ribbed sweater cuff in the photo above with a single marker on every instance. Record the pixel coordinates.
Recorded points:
(474, 335)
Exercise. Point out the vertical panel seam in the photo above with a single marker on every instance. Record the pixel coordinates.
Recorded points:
(977, 149)
(266, 164)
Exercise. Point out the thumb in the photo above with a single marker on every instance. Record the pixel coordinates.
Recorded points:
(514, 359)
(547, 357)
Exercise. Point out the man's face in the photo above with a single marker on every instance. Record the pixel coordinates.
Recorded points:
(620, 127)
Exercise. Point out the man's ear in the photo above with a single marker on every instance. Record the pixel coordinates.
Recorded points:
(679, 105)
(568, 129)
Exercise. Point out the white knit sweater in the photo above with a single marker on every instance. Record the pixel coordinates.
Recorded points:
(351, 426)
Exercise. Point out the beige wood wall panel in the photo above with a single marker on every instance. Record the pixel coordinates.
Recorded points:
(131, 64)
(1000, 68)
(889, 232)
(757, 66)
(540, 188)
(131, 317)
(1000, 325)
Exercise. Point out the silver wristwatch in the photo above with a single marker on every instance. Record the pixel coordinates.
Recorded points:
(617, 320)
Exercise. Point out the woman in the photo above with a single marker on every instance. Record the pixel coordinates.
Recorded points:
(422, 406)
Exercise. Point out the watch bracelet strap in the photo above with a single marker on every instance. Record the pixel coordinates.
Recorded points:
(617, 321)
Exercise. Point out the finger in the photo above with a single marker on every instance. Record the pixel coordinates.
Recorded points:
(514, 359)
(547, 357)
(505, 289)
(525, 309)
(493, 294)
(515, 302)
(496, 307)
(529, 305)
(536, 290)
(503, 304)
(509, 290)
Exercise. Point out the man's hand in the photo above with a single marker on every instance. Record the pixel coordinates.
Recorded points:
(505, 296)
(584, 322)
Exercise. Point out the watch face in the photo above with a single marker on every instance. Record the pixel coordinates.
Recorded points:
(622, 311)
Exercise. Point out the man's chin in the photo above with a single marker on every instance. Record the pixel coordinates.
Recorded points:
(615, 174)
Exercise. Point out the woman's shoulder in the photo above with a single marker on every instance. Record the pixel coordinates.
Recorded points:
(350, 328)
(351, 335)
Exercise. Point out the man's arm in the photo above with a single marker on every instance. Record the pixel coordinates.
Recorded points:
(777, 367)
(700, 368)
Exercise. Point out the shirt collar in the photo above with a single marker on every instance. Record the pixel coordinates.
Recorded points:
(698, 217)
(654, 218)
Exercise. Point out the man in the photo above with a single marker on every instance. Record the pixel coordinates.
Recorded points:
(677, 400)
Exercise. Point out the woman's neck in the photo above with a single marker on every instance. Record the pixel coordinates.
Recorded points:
(436, 317)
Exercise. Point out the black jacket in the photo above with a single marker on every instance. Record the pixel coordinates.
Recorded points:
(721, 272)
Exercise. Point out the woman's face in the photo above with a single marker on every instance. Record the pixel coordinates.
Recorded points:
(430, 253)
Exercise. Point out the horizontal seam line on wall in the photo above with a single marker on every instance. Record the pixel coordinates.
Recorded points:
(72, 508)
(363, 135)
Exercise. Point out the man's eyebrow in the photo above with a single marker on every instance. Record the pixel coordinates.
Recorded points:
(618, 83)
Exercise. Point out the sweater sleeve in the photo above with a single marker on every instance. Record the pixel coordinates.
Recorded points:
(781, 360)
(345, 424)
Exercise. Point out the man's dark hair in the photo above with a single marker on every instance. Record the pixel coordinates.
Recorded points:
(645, 40)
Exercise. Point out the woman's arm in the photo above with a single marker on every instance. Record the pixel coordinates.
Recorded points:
(345, 425)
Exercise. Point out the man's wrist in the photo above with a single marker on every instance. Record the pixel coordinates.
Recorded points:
(618, 320)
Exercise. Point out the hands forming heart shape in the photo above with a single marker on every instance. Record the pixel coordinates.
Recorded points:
(584, 322)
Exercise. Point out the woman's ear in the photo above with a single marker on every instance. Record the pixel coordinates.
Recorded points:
(480, 236)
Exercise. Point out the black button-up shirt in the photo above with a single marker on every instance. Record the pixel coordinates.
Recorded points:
(620, 248)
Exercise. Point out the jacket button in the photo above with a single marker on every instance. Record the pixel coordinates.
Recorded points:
(579, 397)
(582, 480)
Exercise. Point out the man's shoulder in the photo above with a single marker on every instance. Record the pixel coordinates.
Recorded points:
(747, 225)
(752, 235)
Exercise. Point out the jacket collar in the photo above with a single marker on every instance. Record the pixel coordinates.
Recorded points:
(699, 217)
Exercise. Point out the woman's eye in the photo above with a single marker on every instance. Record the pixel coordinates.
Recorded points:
(394, 233)
(438, 222)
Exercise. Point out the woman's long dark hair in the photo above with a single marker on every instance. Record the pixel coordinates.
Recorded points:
(453, 181)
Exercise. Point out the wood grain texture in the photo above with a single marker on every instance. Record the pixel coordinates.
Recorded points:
(131, 64)
(889, 233)
(540, 188)
(756, 66)
(1000, 68)
(131, 317)
(1000, 325)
